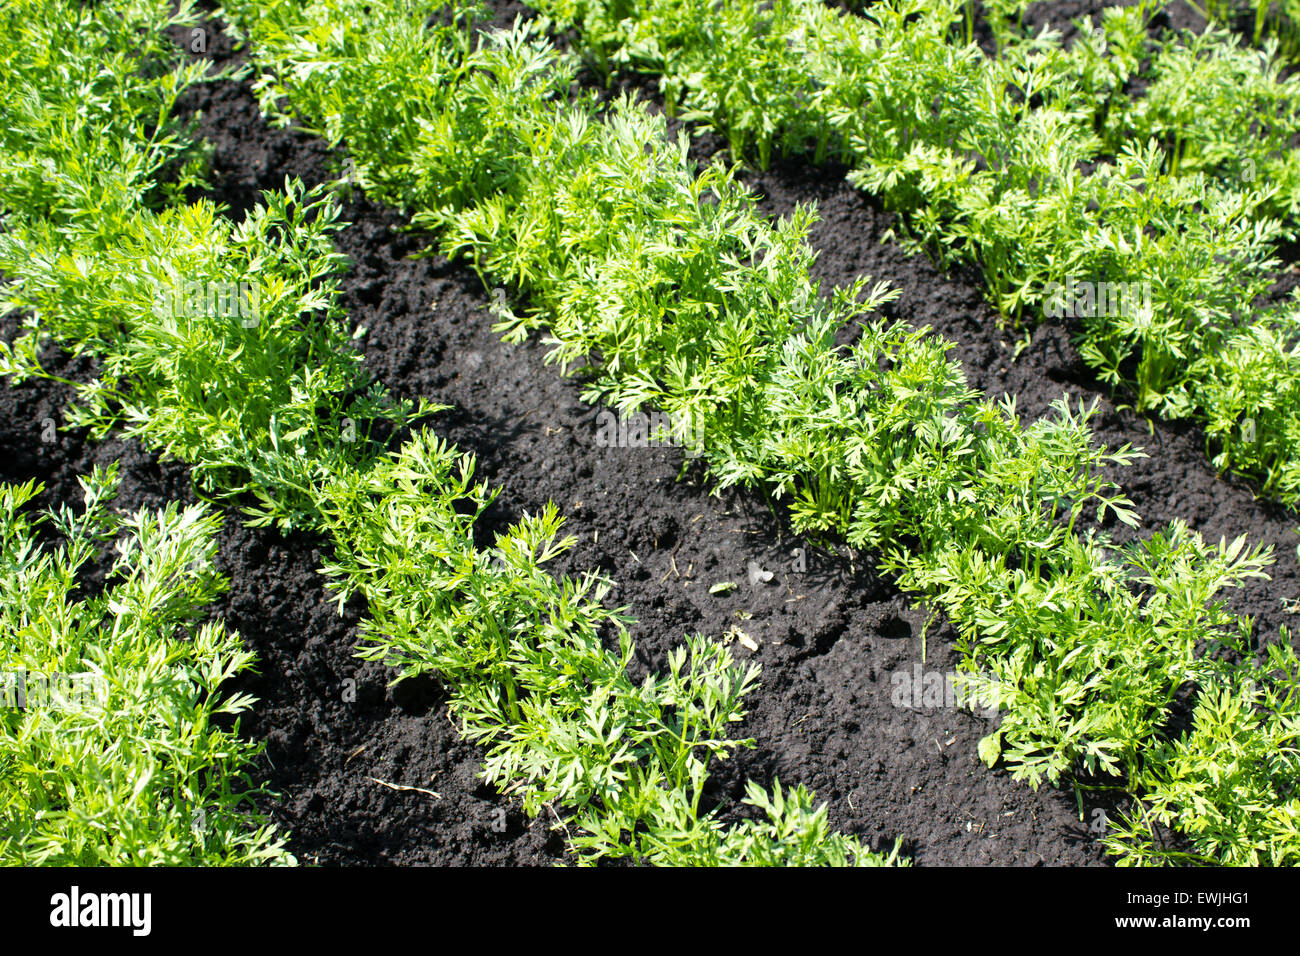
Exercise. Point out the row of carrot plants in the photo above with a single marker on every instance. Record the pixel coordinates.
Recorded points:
(277, 415)
(113, 694)
(667, 288)
(1041, 167)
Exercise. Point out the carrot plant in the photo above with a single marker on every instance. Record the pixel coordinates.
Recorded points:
(123, 764)
(89, 94)
(1233, 795)
(265, 404)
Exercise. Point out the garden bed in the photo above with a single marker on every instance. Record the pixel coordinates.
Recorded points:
(372, 774)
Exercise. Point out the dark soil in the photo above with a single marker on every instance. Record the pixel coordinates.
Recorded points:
(831, 632)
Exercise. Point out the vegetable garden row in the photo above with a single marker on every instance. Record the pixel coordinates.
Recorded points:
(668, 289)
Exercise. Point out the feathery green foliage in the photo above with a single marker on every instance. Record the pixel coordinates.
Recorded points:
(129, 768)
(674, 292)
(224, 345)
(1038, 167)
